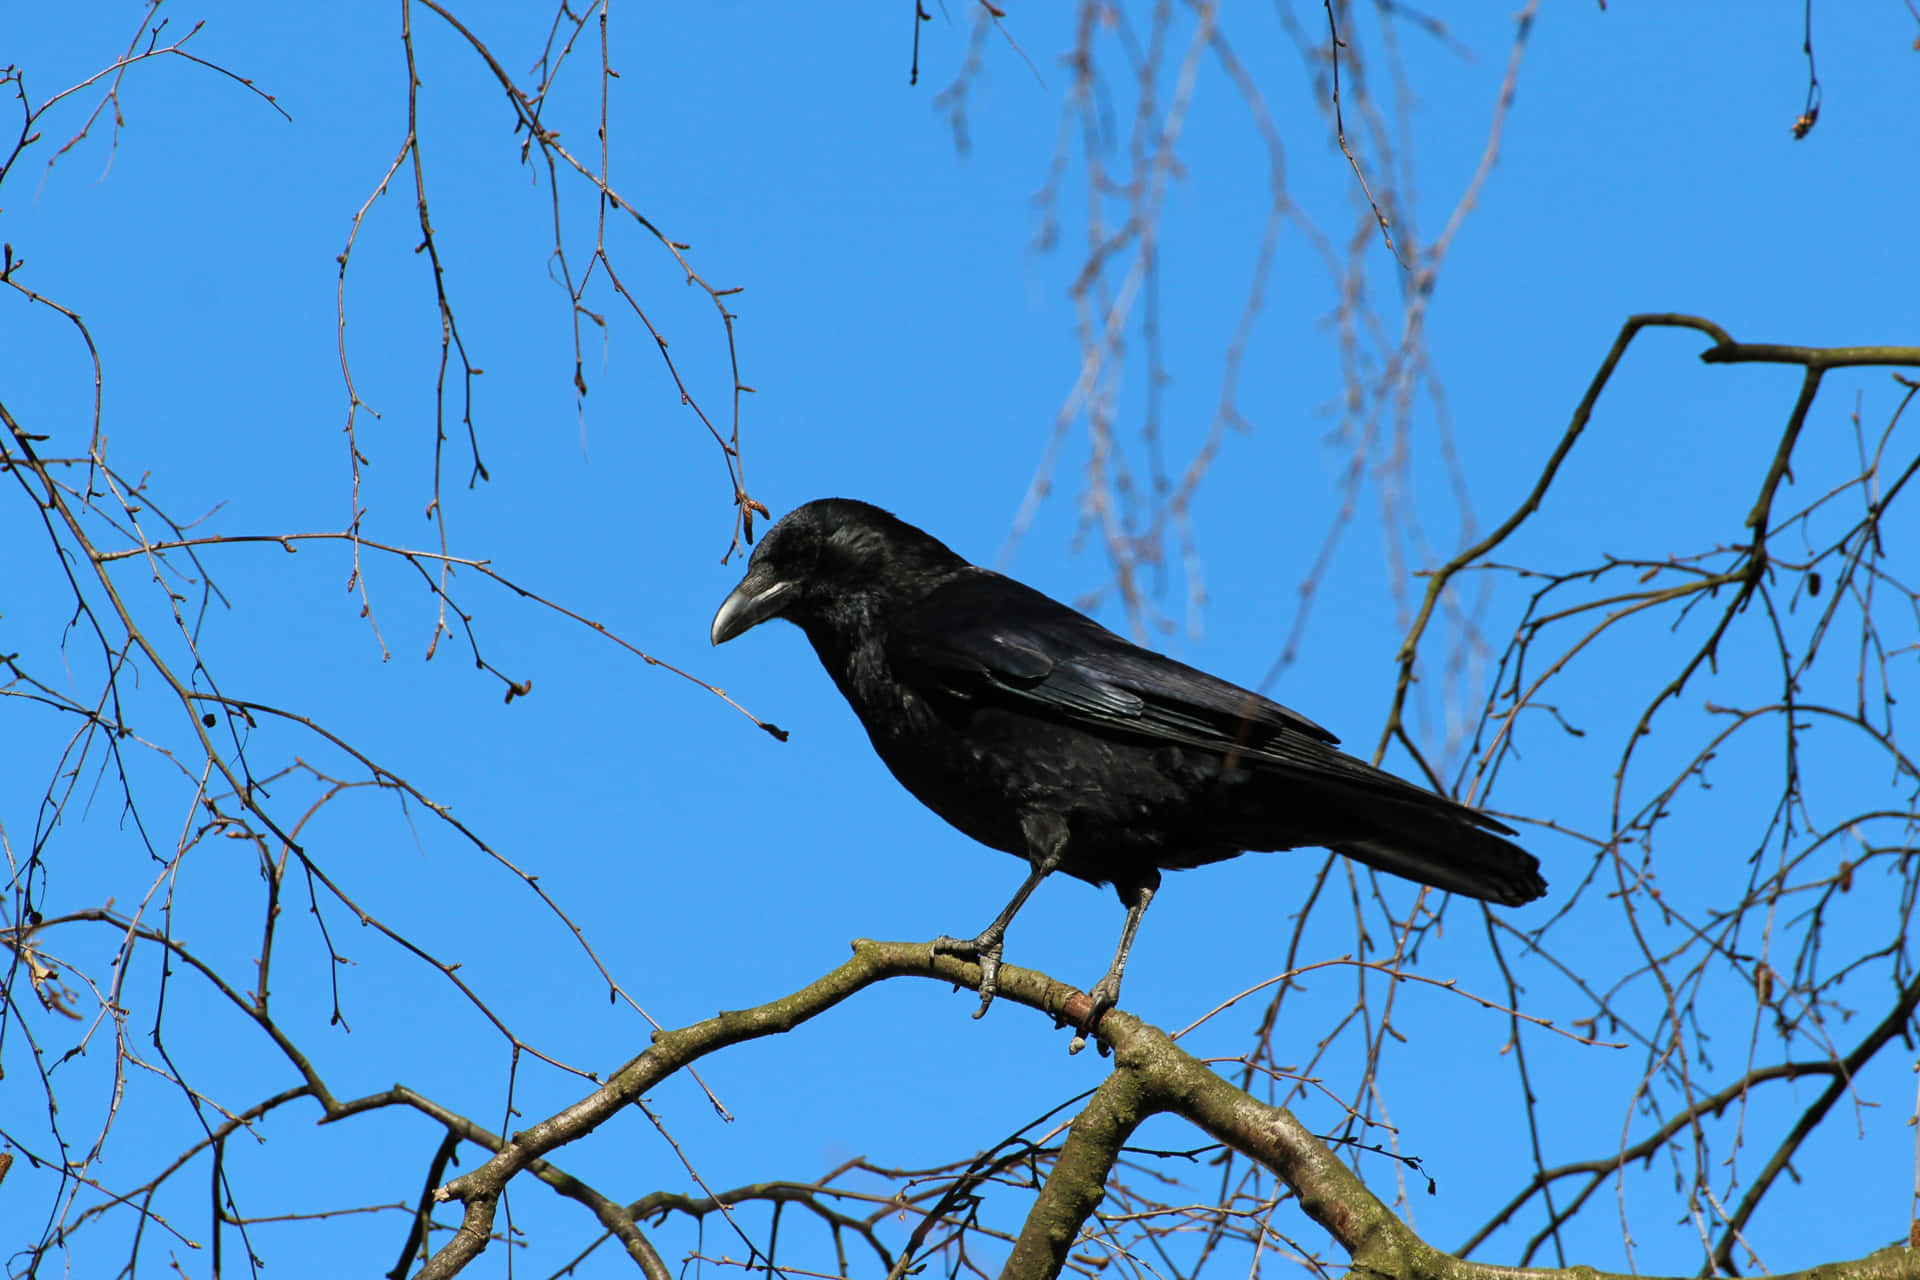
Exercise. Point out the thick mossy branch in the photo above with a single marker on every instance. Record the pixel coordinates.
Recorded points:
(1151, 1074)
(1167, 1078)
(1078, 1183)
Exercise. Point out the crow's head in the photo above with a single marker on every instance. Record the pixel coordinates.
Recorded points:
(833, 556)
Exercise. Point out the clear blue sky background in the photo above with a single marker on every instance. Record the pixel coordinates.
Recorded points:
(908, 346)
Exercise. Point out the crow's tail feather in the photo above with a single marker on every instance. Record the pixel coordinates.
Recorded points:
(1446, 846)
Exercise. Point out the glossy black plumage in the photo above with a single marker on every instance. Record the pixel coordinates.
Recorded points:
(1036, 730)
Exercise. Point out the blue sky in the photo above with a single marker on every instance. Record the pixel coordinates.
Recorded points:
(908, 345)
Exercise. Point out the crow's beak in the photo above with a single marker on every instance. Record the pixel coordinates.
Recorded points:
(754, 601)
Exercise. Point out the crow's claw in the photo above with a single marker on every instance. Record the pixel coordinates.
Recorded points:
(983, 950)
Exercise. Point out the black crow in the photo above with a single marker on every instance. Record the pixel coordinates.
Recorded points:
(1035, 730)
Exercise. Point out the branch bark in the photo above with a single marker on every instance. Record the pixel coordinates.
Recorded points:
(1151, 1074)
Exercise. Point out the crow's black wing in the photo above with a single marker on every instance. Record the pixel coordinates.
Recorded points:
(985, 635)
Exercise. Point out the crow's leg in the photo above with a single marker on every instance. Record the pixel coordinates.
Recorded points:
(1047, 842)
(1134, 895)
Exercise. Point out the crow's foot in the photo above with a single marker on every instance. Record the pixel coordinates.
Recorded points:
(1104, 995)
(985, 950)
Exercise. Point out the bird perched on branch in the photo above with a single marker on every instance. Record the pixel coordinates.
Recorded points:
(1037, 731)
